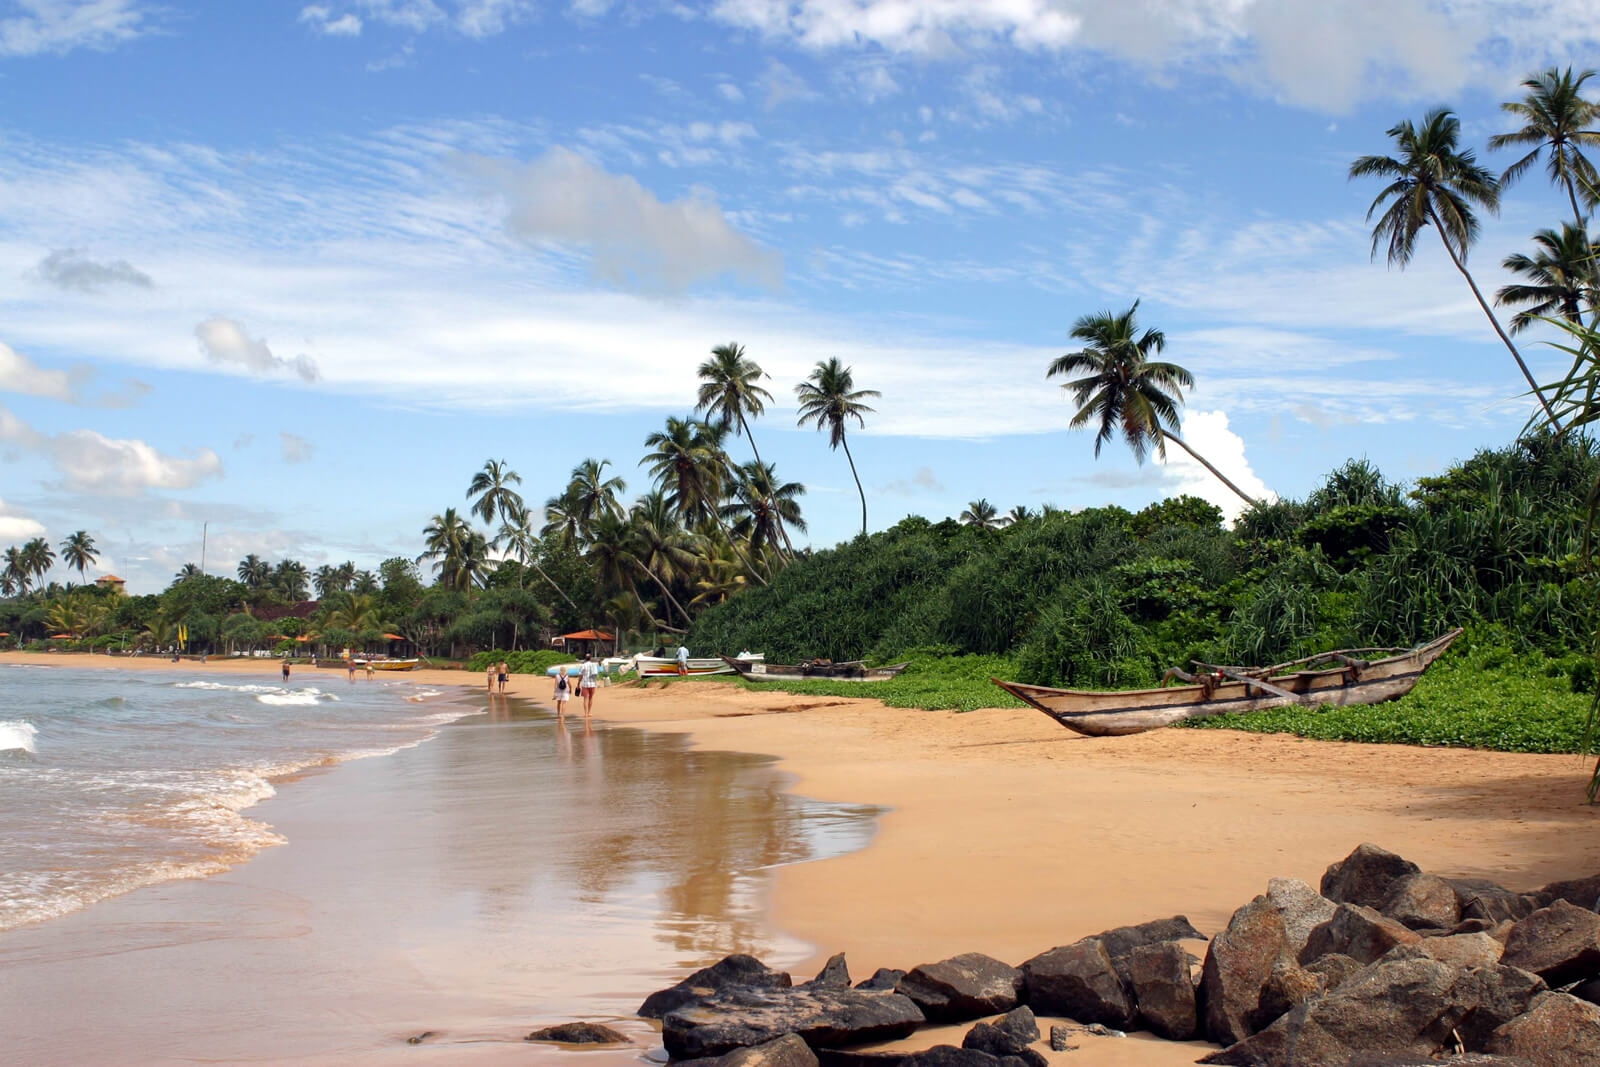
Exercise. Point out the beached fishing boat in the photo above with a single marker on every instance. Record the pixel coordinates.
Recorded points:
(814, 671)
(667, 667)
(388, 664)
(1337, 678)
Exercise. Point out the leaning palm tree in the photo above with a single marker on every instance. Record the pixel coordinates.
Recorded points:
(1434, 183)
(983, 515)
(517, 535)
(492, 486)
(39, 557)
(689, 465)
(77, 551)
(1557, 119)
(1125, 391)
(613, 556)
(664, 550)
(829, 398)
(1561, 278)
(459, 552)
(729, 391)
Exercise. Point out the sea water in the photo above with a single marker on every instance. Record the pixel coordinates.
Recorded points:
(111, 780)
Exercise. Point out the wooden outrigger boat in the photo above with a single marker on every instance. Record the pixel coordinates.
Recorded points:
(388, 664)
(667, 667)
(1229, 690)
(814, 671)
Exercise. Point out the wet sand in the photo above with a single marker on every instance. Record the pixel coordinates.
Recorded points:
(1007, 835)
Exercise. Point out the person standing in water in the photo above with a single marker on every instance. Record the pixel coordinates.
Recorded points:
(286, 667)
(588, 678)
(489, 678)
(505, 675)
(563, 691)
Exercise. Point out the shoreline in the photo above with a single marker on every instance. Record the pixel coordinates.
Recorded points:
(1004, 834)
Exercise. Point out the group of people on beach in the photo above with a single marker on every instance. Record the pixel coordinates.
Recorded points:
(588, 681)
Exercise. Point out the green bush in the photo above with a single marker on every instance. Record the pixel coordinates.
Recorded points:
(523, 661)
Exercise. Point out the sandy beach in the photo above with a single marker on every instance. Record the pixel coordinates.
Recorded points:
(1007, 835)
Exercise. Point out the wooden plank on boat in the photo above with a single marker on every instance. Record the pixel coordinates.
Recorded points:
(1260, 683)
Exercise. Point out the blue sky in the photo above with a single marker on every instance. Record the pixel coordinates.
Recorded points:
(298, 270)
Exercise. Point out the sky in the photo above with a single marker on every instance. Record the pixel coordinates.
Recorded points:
(291, 273)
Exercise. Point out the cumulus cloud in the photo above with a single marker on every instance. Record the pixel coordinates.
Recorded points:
(636, 240)
(17, 527)
(1208, 434)
(71, 268)
(223, 340)
(18, 374)
(91, 462)
(59, 26)
(296, 449)
(323, 21)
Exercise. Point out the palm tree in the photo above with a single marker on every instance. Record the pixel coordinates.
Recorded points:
(593, 494)
(562, 523)
(188, 572)
(77, 550)
(492, 486)
(357, 612)
(38, 557)
(289, 579)
(1433, 183)
(364, 583)
(983, 515)
(1557, 119)
(611, 552)
(516, 533)
(763, 508)
(460, 552)
(1561, 277)
(1125, 390)
(729, 391)
(326, 580)
(254, 571)
(689, 464)
(14, 578)
(1020, 513)
(663, 548)
(829, 398)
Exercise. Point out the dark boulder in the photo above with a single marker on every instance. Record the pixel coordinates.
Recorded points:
(834, 975)
(730, 972)
(1303, 909)
(743, 1017)
(786, 1051)
(1422, 902)
(968, 986)
(1238, 965)
(1458, 950)
(1080, 982)
(1124, 939)
(987, 1038)
(1163, 990)
(1411, 1059)
(1482, 899)
(883, 980)
(1008, 1035)
(951, 1056)
(1358, 932)
(1556, 1031)
(1333, 969)
(578, 1034)
(1560, 944)
(1365, 876)
(1289, 986)
(1579, 892)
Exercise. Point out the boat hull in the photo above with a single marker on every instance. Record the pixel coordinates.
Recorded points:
(666, 667)
(846, 672)
(1134, 711)
(393, 664)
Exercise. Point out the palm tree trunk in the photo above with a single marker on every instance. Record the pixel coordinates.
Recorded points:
(717, 517)
(745, 426)
(665, 592)
(1572, 195)
(553, 585)
(645, 608)
(844, 441)
(1526, 373)
(1181, 443)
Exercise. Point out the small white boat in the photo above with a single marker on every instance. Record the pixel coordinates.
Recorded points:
(609, 665)
(667, 667)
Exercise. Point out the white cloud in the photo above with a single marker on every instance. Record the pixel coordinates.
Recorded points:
(59, 26)
(636, 240)
(18, 374)
(471, 18)
(730, 92)
(17, 527)
(71, 268)
(296, 449)
(323, 21)
(1208, 434)
(91, 462)
(224, 341)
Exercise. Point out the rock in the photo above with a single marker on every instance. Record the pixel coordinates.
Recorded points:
(1422, 902)
(1358, 932)
(1303, 909)
(1124, 939)
(727, 973)
(1164, 991)
(743, 1016)
(968, 986)
(1556, 1031)
(1580, 892)
(883, 980)
(1238, 964)
(1288, 986)
(986, 1038)
(1560, 944)
(1458, 950)
(1410, 1059)
(1008, 1035)
(1080, 982)
(1060, 1039)
(834, 975)
(1365, 876)
(1333, 969)
(950, 1056)
(417, 1039)
(1589, 991)
(579, 1034)
(786, 1051)
(1409, 1006)
(1482, 899)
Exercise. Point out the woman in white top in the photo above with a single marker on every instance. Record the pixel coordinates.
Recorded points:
(563, 691)
(588, 678)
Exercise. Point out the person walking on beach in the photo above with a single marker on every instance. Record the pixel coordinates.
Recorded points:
(505, 674)
(286, 668)
(563, 691)
(489, 678)
(588, 678)
(683, 660)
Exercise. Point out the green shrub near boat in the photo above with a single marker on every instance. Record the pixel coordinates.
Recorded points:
(524, 661)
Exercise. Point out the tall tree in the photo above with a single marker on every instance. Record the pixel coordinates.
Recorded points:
(828, 399)
(1560, 278)
(39, 557)
(254, 571)
(77, 551)
(612, 554)
(763, 508)
(687, 462)
(730, 391)
(492, 486)
(327, 580)
(983, 515)
(289, 579)
(562, 522)
(1558, 121)
(1125, 391)
(16, 577)
(460, 553)
(593, 494)
(1434, 182)
(517, 535)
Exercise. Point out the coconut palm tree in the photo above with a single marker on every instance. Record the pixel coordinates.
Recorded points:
(1020, 513)
(663, 548)
(729, 393)
(1557, 120)
(254, 571)
(357, 612)
(326, 580)
(1125, 391)
(689, 465)
(829, 398)
(763, 508)
(14, 577)
(77, 551)
(492, 486)
(516, 534)
(1432, 182)
(460, 553)
(38, 557)
(188, 572)
(289, 579)
(593, 494)
(1561, 277)
(364, 583)
(562, 523)
(612, 554)
(983, 515)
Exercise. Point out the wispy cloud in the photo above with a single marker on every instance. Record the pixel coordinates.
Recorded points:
(71, 268)
(295, 449)
(57, 26)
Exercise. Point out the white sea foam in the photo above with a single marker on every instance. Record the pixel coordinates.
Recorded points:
(16, 735)
(220, 687)
(293, 698)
